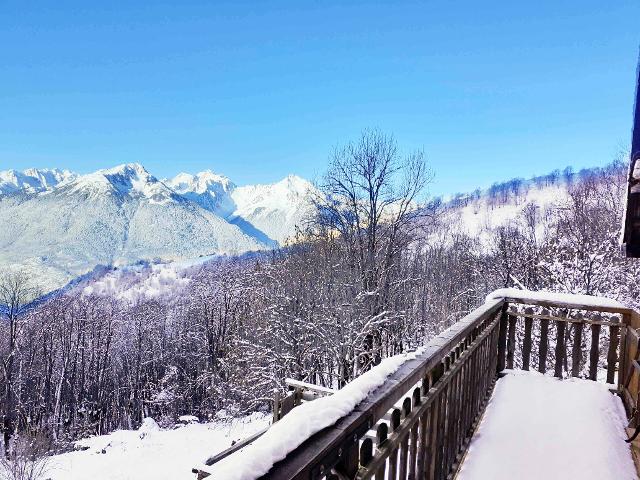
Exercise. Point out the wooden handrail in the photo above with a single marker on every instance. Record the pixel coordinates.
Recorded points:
(565, 304)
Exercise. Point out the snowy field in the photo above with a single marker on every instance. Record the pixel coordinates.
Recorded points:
(538, 427)
(151, 453)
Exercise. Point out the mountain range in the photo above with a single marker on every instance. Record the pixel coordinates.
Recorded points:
(58, 224)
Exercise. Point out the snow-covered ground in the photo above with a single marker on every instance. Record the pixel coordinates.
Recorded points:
(539, 427)
(142, 282)
(151, 453)
(479, 216)
(556, 297)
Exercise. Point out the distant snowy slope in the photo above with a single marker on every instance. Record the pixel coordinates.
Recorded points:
(276, 209)
(208, 189)
(268, 212)
(483, 212)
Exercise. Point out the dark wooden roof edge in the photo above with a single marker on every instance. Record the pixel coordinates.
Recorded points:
(635, 136)
(631, 233)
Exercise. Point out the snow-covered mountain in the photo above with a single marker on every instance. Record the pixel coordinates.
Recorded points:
(60, 225)
(268, 212)
(210, 190)
(275, 209)
(32, 180)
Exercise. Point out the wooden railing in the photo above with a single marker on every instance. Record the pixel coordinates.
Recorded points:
(415, 424)
(420, 422)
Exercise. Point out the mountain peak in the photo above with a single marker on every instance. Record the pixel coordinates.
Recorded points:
(201, 182)
(296, 183)
(208, 189)
(128, 179)
(128, 169)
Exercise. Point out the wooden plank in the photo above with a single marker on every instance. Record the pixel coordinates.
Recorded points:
(511, 342)
(576, 349)
(404, 449)
(308, 386)
(612, 354)
(553, 318)
(366, 452)
(287, 404)
(569, 305)
(393, 457)
(276, 405)
(349, 461)
(502, 340)
(225, 453)
(624, 348)
(422, 445)
(560, 348)
(526, 343)
(451, 418)
(544, 345)
(433, 441)
(413, 451)
(594, 353)
(442, 417)
(381, 437)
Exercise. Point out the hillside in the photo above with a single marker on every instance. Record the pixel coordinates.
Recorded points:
(480, 212)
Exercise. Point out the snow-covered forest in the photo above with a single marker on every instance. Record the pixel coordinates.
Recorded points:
(377, 269)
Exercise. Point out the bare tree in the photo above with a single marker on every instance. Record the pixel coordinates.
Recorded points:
(27, 458)
(371, 198)
(16, 292)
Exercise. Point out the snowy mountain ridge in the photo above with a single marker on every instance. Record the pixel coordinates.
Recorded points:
(60, 224)
(32, 180)
(128, 179)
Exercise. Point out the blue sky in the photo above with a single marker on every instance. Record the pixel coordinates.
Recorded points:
(256, 90)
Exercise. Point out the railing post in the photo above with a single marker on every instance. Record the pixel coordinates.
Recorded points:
(544, 343)
(511, 340)
(502, 338)
(349, 461)
(576, 349)
(612, 354)
(526, 345)
(594, 352)
(560, 347)
(276, 405)
(623, 367)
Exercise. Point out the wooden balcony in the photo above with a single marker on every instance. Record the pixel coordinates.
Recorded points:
(420, 422)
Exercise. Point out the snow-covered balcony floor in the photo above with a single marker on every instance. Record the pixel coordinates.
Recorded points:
(539, 427)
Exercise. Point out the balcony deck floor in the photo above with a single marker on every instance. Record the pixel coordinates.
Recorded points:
(538, 427)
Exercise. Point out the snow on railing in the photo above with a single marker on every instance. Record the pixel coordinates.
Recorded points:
(301, 423)
(531, 296)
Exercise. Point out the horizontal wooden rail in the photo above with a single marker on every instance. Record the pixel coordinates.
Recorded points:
(569, 305)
